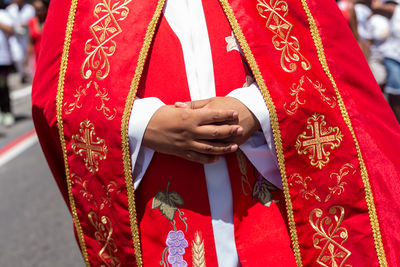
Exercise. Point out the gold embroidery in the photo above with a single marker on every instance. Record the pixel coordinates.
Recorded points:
(320, 140)
(80, 92)
(103, 235)
(110, 188)
(60, 125)
(339, 187)
(297, 88)
(102, 94)
(103, 31)
(198, 253)
(76, 180)
(88, 146)
(306, 192)
(364, 173)
(330, 240)
(274, 123)
(125, 125)
(275, 12)
(106, 200)
(241, 158)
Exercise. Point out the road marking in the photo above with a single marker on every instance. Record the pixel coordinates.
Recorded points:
(24, 92)
(17, 146)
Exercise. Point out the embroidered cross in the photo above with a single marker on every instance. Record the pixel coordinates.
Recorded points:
(321, 141)
(88, 146)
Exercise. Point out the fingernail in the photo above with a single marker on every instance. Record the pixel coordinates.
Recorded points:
(180, 104)
(235, 115)
(234, 147)
(239, 130)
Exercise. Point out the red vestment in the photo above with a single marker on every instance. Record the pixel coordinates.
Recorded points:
(335, 136)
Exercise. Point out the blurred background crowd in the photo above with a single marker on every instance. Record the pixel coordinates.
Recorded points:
(21, 24)
(376, 26)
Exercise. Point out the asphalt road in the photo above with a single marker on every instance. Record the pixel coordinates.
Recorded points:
(35, 225)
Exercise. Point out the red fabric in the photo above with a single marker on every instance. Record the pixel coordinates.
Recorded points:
(374, 123)
(254, 223)
(35, 33)
(374, 126)
(367, 109)
(45, 90)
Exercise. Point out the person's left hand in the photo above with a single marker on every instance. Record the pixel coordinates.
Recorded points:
(247, 120)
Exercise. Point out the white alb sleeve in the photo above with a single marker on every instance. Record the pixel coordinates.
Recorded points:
(142, 111)
(259, 148)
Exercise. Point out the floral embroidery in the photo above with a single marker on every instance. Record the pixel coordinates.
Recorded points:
(339, 187)
(101, 94)
(308, 190)
(166, 202)
(176, 245)
(298, 88)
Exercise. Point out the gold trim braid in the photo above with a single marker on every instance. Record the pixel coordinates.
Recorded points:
(364, 174)
(60, 125)
(125, 125)
(274, 123)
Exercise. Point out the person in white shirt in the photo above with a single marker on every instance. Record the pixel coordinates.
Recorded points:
(20, 12)
(6, 30)
(391, 52)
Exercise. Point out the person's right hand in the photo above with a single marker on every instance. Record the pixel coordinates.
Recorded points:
(193, 134)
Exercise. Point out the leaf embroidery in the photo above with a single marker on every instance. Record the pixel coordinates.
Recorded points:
(166, 202)
(262, 191)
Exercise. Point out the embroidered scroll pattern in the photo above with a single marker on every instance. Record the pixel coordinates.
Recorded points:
(101, 46)
(275, 12)
(308, 191)
(246, 187)
(106, 200)
(330, 236)
(88, 146)
(167, 202)
(103, 235)
(198, 253)
(339, 187)
(298, 88)
(320, 142)
(101, 94)
(79, 93)
(76, 180)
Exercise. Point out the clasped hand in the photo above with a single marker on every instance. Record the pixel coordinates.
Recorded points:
(200, 131)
